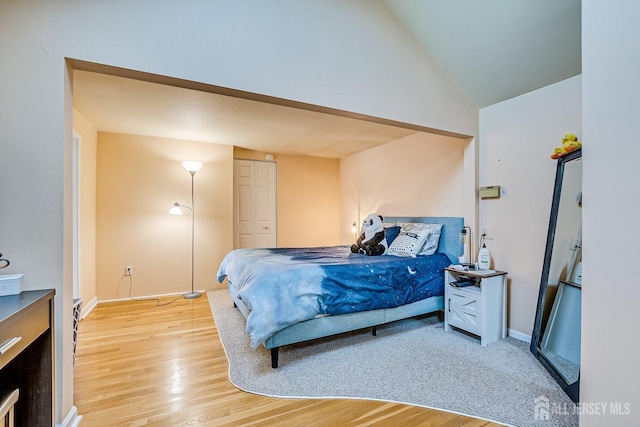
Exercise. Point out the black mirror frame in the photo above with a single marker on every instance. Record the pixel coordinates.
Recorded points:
(573, 389)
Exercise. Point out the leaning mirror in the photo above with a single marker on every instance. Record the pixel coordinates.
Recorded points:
(555, 340)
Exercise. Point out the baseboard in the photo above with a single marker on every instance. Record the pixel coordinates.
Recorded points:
(149, 296)
(86, 308)
(519, 335)
(72, 419)
(94, 302)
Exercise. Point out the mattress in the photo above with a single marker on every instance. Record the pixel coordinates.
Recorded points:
(284, 286)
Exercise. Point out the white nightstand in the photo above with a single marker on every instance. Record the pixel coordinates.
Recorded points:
(481, 308)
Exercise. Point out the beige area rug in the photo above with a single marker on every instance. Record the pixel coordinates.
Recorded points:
(411, 361)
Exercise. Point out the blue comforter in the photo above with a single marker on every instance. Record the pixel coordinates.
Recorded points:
(284, 286)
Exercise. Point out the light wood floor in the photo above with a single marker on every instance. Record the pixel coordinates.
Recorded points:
(139, 364)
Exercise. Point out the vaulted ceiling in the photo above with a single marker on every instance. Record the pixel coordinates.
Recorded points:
(498, 49)
(494, 50)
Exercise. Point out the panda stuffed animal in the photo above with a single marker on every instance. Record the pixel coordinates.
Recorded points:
(371, 240)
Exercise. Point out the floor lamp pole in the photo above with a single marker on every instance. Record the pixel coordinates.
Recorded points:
(193, 294)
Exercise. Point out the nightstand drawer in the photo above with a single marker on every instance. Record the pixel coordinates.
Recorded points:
(465, 308)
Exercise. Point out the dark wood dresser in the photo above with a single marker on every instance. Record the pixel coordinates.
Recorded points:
(26, 355)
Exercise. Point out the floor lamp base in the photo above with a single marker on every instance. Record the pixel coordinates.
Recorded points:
(192, 295)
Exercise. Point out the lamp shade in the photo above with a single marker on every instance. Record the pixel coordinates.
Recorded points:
(192, 166)
(175, 210)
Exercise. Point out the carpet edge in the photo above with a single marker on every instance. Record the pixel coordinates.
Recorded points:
(327, 397)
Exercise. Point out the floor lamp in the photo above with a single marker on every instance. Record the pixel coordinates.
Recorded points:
(192, 168)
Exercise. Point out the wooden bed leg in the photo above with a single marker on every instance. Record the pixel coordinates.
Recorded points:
(374, 331)
(274, 357)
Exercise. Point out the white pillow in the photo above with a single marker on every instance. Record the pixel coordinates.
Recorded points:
(410, 226)
(408, 243)
(431, 244)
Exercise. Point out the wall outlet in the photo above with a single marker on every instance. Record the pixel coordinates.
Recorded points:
(488, 232)
(128, 270)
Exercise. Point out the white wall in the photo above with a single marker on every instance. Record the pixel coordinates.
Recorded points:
(353, 56)
(517, 137)
(610, 291)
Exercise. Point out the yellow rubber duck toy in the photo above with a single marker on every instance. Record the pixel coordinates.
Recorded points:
(569, 143)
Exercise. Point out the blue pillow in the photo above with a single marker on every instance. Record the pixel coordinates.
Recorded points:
(390, 233)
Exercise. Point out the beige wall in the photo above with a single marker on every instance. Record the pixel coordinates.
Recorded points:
(308, 201)
(516, 139)
(138, 180)
(308, 198)
(419, 175)
(87, 208)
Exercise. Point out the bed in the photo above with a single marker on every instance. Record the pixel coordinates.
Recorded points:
(291, 295)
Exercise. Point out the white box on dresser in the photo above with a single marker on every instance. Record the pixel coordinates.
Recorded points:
(479, 309)
(11, 284)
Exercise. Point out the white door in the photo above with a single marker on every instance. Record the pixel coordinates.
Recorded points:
(254, 198)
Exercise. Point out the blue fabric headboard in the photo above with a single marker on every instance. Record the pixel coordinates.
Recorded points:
(450, 242)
